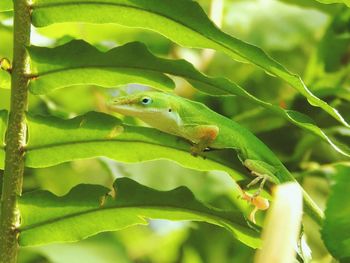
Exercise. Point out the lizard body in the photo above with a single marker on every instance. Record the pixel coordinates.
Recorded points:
(207, 129)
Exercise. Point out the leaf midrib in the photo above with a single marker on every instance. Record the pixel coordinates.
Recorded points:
(52, 145)
(38, 75)
(160, 207)
(189, 78)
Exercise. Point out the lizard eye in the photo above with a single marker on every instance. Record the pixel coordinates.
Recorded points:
(146, 100)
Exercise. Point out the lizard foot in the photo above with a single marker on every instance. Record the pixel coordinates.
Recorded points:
(260, 178)
(259, 203)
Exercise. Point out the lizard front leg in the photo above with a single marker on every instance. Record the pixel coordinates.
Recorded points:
(202, 136)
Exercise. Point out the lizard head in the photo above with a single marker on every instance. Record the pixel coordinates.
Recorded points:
(155, 108)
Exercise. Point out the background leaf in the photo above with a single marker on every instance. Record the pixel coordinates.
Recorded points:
(336, 229)
(346, 2)
(6, 5)
(182, 21)
(80, 214)
(3, 123)
(328, 65)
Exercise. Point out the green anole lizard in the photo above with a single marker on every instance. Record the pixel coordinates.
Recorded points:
(205, 128)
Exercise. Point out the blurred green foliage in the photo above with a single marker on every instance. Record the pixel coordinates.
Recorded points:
(309, 38)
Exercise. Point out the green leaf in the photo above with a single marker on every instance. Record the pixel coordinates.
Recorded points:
(336, 38)
(336, 228)
(47, 218)
(6, 5)
(346, 2)
(6, 47)
(330, 9)
(78, 62)
(328, 65)
(182, 21)
(5, 52)
(5, 80)
(3, 123)
(96, 134)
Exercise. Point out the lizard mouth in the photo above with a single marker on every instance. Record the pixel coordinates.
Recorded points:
(122, 101)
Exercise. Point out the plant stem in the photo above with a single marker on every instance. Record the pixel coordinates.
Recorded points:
(312, 209)
(15, 135)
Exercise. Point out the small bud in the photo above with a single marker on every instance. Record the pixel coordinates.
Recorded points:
(5, 64)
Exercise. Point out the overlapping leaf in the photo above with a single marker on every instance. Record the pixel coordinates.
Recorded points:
(96, 134)
(336, 229)
(87, 210)
(80, 63)
(182, 21)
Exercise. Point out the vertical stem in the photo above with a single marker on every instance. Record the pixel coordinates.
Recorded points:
(15, 135)
(312, 209)
(1, 179)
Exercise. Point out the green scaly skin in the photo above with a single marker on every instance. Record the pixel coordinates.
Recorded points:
(206, 128)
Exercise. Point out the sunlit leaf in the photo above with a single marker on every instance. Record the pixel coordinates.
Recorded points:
(281, 27)
(83, 212)
(333, 49)
(336, 228)
(331, 9)
(183, 21)
(80, 63)
(97, 134)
